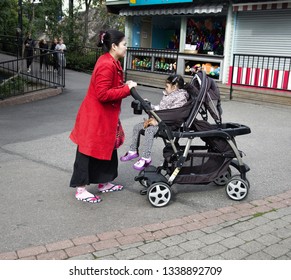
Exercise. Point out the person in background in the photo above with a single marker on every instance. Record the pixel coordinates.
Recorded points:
(61, 48)
(54, 54)
(43, 50)
(29, 44)
(97, 124)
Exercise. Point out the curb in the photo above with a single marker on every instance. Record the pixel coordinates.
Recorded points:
(93, 246)
(30, 97)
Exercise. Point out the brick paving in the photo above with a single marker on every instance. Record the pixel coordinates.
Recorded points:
(256, 230)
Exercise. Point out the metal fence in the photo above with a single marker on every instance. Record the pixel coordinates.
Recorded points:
(272, 72)
(16, 78)
(78, 58)
(10, 45)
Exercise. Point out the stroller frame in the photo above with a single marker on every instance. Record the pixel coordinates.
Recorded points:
(158, 180)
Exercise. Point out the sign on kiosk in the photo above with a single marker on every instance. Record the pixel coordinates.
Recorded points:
(155, 2)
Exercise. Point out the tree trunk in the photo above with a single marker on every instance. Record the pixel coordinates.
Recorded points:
(86, 22)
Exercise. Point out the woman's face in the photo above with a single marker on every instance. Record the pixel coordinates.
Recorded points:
(120, 49)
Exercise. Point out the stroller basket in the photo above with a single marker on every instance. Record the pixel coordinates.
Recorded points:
(200, 166)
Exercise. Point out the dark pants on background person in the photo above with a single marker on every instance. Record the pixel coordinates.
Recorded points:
(29, 58)
(43, 60)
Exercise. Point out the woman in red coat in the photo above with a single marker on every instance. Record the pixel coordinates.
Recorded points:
(97, 121)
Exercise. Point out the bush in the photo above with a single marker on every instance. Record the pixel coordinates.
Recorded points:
(83, 62)
(14, 86)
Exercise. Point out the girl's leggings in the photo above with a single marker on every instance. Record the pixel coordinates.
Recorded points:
(150, 132)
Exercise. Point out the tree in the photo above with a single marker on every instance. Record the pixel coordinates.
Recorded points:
(46, 18)
(100, 16)
(8, 17)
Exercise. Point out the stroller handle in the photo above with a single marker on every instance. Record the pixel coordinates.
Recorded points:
(146, 106)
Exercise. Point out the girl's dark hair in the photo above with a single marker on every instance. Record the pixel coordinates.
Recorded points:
(110, 37)
(176, 80)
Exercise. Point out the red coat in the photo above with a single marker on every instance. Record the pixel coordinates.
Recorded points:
(96, 123)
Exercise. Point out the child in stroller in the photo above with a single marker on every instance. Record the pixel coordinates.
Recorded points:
(188, 163)
(175, 95)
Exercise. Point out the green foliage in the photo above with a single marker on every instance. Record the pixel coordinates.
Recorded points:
(8, 17)
(82, 61)
(14, 86)
(42, 18)
(46, 18)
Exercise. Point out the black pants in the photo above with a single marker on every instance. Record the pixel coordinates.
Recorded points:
(89, 170)
(29, 58)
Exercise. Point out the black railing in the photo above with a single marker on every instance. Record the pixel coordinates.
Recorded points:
(261, 71)
(17, 78)
(10, 45)
(78, 58)
(163, 61)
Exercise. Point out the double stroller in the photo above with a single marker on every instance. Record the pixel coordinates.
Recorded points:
(215, 159)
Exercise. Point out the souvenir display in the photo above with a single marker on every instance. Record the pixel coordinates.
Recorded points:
(206, 35)
(165, 65)
(211, 69)
(160, 64)
(141, 63)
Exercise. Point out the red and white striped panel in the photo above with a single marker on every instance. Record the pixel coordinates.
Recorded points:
(274, 79)
(261, 6)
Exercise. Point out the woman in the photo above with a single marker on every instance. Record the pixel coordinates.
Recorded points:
(61, 48)
(54, 54)
(43, 50)
(97, 122)
(29, 49)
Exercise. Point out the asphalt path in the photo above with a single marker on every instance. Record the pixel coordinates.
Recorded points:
(36, 160)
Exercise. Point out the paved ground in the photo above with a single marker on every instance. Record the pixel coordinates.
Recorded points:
(257, 230)
(41, 218)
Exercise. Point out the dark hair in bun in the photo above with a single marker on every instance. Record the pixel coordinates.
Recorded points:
(110, 37)
(176, 80)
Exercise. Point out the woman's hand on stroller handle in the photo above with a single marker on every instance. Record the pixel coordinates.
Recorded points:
(144, 103)
(131, 84)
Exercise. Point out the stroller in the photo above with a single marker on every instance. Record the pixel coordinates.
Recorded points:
(185, 162)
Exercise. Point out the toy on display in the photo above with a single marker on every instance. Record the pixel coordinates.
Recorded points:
(163, 65)
(141, 63)
(209, 68)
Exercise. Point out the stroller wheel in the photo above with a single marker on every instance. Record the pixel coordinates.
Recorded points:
(237, 188)
(159, 194)
(224, 178)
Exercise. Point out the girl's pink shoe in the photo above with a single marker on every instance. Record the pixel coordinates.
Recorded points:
(129, 156)
(142, 163)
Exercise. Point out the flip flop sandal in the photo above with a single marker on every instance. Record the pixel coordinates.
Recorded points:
(112, 188)
(94, 199)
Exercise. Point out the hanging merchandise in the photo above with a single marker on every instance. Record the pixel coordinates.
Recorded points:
(207, 34)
